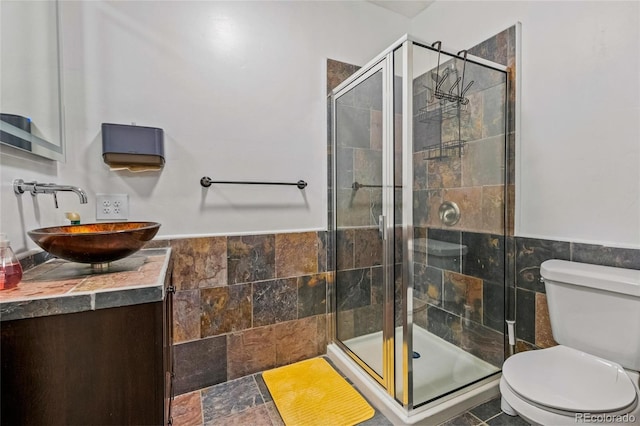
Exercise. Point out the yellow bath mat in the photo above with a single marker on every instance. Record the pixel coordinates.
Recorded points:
(311, 393)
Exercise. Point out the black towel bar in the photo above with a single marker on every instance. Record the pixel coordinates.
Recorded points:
(207, 181)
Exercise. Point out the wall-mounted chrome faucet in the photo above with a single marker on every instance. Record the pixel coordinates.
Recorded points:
(35, 188)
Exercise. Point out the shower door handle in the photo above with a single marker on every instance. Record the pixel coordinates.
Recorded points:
(381, 226)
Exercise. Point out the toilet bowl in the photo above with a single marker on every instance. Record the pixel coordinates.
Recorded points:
(592, 376)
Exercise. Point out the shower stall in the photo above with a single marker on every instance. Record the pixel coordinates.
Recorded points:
(417, 201)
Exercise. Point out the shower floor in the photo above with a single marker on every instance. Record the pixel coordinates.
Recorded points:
(441, 368)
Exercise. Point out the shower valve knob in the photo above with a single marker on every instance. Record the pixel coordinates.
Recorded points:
(449, 213)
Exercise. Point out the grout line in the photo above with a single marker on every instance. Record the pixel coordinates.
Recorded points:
(201, 407)
(493, 417)
(255, 382)
(476, 417)
(253, 376)
(273, 413)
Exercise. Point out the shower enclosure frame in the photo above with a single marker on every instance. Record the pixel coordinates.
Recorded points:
(385, 62)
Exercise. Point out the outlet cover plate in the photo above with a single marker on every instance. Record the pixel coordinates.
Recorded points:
(112, 206)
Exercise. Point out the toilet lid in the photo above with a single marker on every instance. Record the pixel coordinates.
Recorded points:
(567, 379)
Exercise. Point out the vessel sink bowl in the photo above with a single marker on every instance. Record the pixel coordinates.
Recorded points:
(95, 242)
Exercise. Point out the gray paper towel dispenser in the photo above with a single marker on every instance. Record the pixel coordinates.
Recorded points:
(136, 148)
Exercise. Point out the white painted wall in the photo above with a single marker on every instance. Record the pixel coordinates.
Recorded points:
(239, 89)
(579, 158)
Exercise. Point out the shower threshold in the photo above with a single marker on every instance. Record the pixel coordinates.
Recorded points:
(441, 369)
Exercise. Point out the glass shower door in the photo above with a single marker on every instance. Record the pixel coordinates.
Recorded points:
(359, 211)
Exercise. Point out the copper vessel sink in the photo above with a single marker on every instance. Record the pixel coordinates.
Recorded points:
(96, 243)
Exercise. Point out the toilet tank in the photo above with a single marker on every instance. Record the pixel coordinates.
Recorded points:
(595, 309)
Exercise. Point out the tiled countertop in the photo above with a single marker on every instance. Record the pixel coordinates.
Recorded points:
(61, 287)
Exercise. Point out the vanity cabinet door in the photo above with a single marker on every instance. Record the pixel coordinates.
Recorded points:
(98, 367)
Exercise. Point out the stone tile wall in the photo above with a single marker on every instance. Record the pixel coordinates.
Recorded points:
(359, 155)
(501, 49)
(475, 180)
(247, 303)
(460, 298)
(359, 277)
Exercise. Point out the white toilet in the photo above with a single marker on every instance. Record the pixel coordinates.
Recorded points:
(592, 376)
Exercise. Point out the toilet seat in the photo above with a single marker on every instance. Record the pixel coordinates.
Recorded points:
(565, 381)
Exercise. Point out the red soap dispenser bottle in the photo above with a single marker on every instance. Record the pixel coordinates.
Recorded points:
(10, 269)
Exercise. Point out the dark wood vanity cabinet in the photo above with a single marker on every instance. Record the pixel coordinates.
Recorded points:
(108, 366)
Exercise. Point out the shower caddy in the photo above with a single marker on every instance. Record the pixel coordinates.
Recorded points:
(443, 105)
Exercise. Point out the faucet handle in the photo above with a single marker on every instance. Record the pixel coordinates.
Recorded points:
(20, 186)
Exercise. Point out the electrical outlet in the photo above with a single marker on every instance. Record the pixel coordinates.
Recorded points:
(112, 206)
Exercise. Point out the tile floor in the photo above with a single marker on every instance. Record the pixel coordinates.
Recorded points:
(247, 401)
